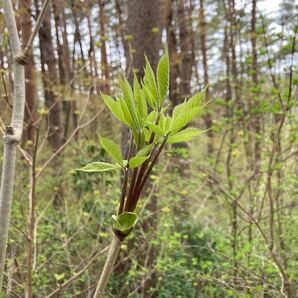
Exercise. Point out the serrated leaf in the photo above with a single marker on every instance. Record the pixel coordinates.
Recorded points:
(194, 102)
(150, 85)
(129, 99)
(145, 150)
(115, 108)
(152, 101)
(112, 149)
(141, 103)
(95, 167)
(126, 113)
(180, 120)
(156, 129)
(167, 124)
(125, 221)
(127, 91)
(152, 117)
(185, 135)
(163, 77)
(136, 161)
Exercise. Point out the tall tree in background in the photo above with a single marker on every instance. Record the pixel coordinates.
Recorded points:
(30, 108)
(172, 47)
(144, 26)
(254, 72)
(185, 46)
(53, 104)
(64, 63)
(50, 80)
(203, 33)
(103, 48)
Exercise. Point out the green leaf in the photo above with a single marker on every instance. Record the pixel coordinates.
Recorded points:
(189, 104)
(112, 149)
(185, 135)
(139, 98)
(163, 77)
(95, 167)
(186, 112)
(59, 277)
(125, 221)
(115, 108)
(126, 113)
(164, 122)
(127, 92)
(136, 161)
(150, 83)
(194, 101)
(145, 150)
(129, 99)
(150, 97)
(152, 117)
(180, 120)
(156, 129)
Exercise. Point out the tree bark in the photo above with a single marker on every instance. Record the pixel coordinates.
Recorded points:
(257, 119)
(50, 79)
(203, 33)
(185, 45)
(103, 48)
(13, 134)
(30, 110)
(173, 55)
(52, 103)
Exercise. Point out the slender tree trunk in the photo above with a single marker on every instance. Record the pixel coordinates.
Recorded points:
(63, 63)
(122, 28)
(30, 109)
(50, 80)
(230, 115)
(77, 34)
(103, 48)
(92, 58)
(172, 47)
(13, 134)
(203, 33)
(185, 45)
(257, 119)
(53, 104)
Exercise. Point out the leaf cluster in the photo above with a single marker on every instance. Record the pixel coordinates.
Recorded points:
(141, 106)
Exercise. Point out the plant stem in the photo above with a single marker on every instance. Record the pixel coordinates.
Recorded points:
(132, 203)
(122, 200)
(108, 267)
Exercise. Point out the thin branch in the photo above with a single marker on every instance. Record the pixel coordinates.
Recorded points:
(79, 273)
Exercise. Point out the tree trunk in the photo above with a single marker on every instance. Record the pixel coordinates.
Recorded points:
(50, 80)
(63, 63)
(53, 104)
(173, 55)
(103, 48)
(203, 33)
(30, 109)
(13, 134)
(257, 119)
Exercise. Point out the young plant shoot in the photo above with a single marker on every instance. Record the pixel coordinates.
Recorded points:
(142, 108)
